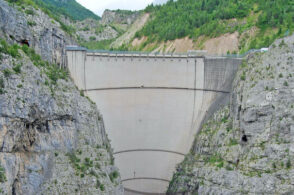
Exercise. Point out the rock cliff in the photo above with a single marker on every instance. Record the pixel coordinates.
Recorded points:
(28, 25)
(113, 24)
(52, 139)
(119, 16)
(247, 147)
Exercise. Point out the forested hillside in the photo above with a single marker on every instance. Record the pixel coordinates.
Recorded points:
(56, 8)
(68, 8)
(211, 18)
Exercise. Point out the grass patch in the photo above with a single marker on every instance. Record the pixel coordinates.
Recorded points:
(2, 175)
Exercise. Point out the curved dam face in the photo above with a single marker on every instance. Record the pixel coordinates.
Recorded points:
(152, 107)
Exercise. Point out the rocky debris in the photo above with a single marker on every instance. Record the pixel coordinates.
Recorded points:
(27, 25)
(52, 139)
(247, 147)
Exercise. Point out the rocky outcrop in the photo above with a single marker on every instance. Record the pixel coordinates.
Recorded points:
(93, 30)
(112, 25)
(27, 25)
(119, 16)
(247, 147)
(13, 24)
(52, 139)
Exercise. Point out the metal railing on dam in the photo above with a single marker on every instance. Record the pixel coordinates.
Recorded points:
(158, 54)
(152, 105)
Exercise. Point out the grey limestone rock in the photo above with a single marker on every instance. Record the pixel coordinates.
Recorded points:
(247, 147)
(52, 140)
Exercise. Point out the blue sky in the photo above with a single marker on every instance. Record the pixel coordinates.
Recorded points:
(98, 6)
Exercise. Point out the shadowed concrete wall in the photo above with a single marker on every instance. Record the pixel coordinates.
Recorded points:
(152, 107)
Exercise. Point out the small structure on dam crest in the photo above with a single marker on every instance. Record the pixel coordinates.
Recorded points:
(153, 105)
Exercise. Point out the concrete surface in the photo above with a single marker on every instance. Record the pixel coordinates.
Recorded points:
(152, 107)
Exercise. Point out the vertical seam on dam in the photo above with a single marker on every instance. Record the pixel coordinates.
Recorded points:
(192, 121)
(85, 72)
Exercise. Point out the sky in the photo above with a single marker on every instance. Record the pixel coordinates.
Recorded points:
(98, 6)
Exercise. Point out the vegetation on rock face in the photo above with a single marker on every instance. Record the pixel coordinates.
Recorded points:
(177, 19)
(68, 8)
(104, 44)
(51, 70)
(38, 4)
(245, 147)
(2, 174)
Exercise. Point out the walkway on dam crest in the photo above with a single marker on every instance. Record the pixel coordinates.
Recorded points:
(152, 105)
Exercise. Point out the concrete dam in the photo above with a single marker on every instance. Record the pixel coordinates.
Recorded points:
(152, 105)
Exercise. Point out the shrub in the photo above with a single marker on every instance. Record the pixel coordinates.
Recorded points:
(243, 77)
(225, 119)
(32, 23)
(29, 12)
(2, 175)
(282, 43)
(102, 187)
(98, 183)
(82, 93)
(220, 165)
(113, 175)
(233, 142)
(13, 51)
(281, 75)
(2, 85)
(7, 72)
(86, 28)
(285, 83)
(54, 73)
(229, 168)
(17, 68)
(3, 46)
(288, 164)
(19, 86)
(25, 49)
(92, 38)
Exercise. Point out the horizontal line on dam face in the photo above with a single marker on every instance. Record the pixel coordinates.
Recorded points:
(143, 193)
(148, 150)
(145, 178)
(164, 88)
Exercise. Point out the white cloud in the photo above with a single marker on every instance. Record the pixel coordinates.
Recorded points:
(156, 2)
(98, 6)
